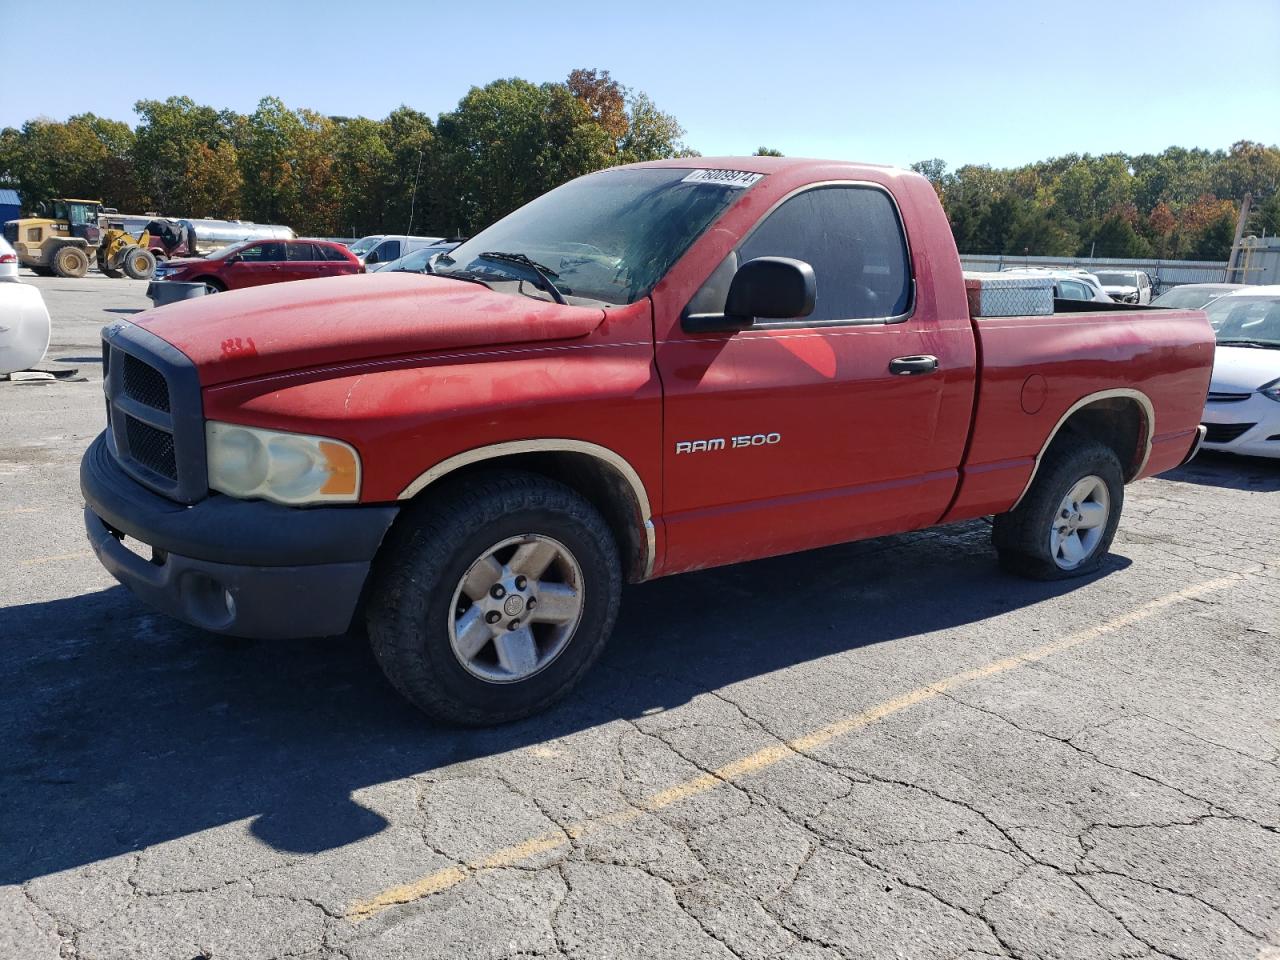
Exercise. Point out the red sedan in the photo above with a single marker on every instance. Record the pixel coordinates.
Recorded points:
(255, 262)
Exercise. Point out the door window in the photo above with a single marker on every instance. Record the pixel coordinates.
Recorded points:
(853, 239)
(387, 251)
(1073, 290)
(302, 253)
(263, 253)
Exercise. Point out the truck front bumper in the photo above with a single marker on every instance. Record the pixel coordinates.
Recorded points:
(246, 568)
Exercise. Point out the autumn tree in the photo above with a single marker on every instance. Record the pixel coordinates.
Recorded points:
(213, 183)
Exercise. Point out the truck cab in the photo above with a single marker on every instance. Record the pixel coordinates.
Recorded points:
(650, 370)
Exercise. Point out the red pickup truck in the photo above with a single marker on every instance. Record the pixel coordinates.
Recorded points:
(649, 370)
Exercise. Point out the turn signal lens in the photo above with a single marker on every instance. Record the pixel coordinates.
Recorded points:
(288, 468)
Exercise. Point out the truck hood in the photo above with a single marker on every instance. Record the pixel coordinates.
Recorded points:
(316, 323)
(1243, 369)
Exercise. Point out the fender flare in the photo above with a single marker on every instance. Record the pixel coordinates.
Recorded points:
(606, 456)
(1127, 393)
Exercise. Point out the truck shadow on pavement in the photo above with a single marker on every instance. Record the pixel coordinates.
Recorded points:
(1213, 469)
(124, 729)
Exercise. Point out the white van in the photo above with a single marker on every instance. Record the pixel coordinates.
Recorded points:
(378, 250)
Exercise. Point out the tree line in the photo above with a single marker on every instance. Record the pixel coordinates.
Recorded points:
(504, 144)
(1177, 204)
(510, 140)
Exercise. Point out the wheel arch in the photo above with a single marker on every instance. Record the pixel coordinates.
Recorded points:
(1122, 418)
(604, 477)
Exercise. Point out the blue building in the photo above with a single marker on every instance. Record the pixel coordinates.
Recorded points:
(10, 205)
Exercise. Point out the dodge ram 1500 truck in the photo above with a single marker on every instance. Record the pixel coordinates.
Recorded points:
(651, 369)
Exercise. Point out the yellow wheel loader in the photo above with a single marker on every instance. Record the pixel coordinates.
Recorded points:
(69, 233)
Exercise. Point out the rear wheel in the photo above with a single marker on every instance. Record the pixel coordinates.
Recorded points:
(1065, 524)
(139, 264)
(491, 602)
(70, 262)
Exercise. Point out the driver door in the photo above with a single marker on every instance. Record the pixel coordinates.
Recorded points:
(796, 434)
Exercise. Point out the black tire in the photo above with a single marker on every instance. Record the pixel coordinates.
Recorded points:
(139, 264)
(42, 271)
(70, 262)
(423, 562)
(211, 285)
(1022, 536)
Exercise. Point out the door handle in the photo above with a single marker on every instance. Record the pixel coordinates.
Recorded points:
(903, 366)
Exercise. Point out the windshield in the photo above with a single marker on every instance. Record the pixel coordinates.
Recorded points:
(1189, 298)
(223, 252)
(1116, 278)
(364, 244)
(607, 236)
(1253, 319)
(416, 261)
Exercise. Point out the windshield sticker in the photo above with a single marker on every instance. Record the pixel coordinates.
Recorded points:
(724, 178)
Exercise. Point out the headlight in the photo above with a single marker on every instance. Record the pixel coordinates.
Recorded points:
(288, 468)
(1271, 390)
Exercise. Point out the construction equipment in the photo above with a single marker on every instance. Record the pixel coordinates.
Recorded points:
(67, 233)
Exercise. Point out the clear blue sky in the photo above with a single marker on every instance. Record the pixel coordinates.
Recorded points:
(988, 81)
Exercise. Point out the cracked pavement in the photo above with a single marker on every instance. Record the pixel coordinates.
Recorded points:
(169, 794)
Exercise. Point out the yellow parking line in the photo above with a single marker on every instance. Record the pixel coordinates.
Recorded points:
(35, 561)
(766, 757)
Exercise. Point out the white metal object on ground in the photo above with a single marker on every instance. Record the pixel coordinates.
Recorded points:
(24, 327)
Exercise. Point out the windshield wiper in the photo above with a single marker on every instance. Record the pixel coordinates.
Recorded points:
(544, 274)
(1246, 342)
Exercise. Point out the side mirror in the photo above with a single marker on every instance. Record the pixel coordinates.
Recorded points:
(770, 288)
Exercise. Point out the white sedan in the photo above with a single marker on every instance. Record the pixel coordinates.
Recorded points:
(1243, 411)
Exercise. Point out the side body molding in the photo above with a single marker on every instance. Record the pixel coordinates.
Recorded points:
(1148, 414)
(562, 445)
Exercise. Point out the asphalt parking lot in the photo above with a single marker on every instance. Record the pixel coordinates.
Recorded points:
(887, 749)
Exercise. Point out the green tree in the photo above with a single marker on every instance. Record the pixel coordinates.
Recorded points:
(767, 152)
(1116, 237)
(213, 183)
(1214, 241)
(168, 134)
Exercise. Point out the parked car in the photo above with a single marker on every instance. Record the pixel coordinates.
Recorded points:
(651, 369)
(8, 261)
(391, 248)
(1243, 410)
(1194, 296)
(255, 262)
(420, 260)
(1069, 284)
(1125, 286)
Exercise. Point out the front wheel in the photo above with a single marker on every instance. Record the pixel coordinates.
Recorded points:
(139, 264)
(1065, 524)
(490, 602)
